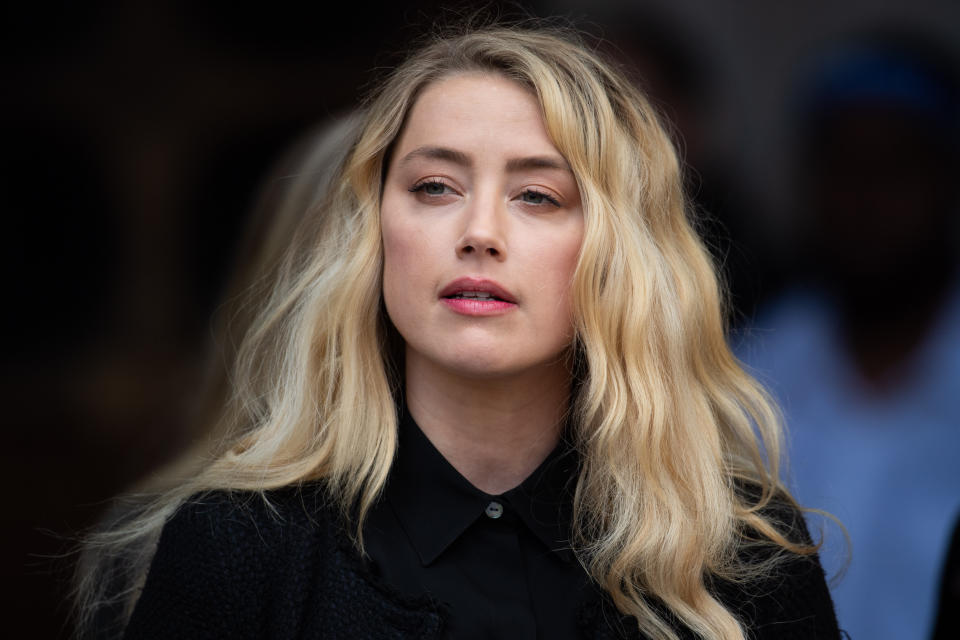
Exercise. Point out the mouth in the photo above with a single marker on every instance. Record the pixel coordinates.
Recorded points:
(473, 295)
(476, 289)
(477, 297)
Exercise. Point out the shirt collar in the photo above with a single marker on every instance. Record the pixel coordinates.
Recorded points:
(435, 504)
(544, 501)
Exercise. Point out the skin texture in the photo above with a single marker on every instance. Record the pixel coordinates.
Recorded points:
(475, 188)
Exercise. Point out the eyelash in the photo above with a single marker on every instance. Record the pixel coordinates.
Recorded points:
(420, 186)
(543, 195)
(423, 184)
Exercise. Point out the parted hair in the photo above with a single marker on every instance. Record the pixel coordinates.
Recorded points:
(679, 446)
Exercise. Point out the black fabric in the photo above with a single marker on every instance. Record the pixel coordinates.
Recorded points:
(947, 625)
(230, 565)
(509, 576)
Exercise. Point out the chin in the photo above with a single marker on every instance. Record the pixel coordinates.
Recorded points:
(480, 366)
(483, 366)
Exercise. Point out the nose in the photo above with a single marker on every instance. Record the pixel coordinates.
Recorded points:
(483, 231)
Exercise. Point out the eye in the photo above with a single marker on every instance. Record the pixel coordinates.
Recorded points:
(431, 188)
(531, 196)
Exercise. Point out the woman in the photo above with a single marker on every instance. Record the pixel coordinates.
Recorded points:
(488, 394)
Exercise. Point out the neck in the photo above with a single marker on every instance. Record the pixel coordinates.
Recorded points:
(494, 431)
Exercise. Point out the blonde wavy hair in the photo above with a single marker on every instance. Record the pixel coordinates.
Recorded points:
(679, 446)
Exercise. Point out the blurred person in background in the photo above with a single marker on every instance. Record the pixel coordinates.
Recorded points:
(864, 352)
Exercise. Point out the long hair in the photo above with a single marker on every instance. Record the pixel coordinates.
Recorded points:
(669, 427)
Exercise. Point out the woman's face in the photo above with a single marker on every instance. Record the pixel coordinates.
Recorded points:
(482, 225)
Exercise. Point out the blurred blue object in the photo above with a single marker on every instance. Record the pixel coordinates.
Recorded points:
(863, 351)
(887, 464)
(859, 74)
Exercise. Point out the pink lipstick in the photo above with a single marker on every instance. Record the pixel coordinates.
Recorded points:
(477, 297)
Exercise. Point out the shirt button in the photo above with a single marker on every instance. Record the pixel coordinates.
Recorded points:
(494, 510)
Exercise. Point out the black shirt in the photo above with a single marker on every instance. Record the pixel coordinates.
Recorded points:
(500, 565)
(231, 565)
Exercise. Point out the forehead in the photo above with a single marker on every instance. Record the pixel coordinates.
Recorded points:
(483, 111)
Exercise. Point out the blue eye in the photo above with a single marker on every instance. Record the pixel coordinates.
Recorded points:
(535, 197)
(430, 188)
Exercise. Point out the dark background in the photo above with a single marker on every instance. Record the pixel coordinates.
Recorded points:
(137, 137)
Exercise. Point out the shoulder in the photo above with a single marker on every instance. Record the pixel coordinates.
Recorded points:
(242, 514)
(784, 594)
(224, 557)
(234, 528)
(237, 526)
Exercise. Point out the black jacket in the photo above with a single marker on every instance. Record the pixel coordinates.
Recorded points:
(230, 566)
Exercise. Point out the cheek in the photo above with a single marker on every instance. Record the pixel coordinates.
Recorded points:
(395, 241)
(405, 278)
(553, 270)
(566, 305)
(565, 252)
(393, 256)
(395, 267)
(569, 259)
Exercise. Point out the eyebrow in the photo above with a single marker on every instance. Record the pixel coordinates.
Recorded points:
(462, 159)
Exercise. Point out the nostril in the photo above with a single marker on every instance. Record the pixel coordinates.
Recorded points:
(481, 248)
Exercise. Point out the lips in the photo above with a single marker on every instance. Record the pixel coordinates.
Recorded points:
(477, 297)
(478, 289)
